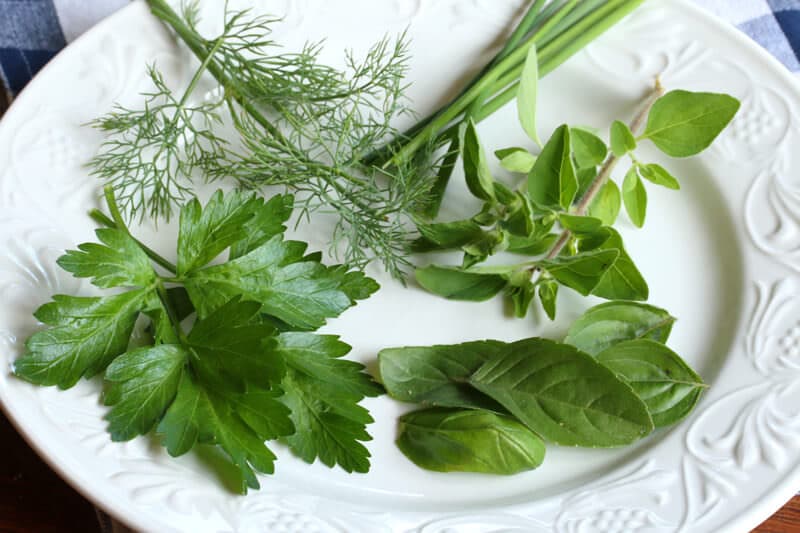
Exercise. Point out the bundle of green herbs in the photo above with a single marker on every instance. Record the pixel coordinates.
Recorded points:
(227, 354)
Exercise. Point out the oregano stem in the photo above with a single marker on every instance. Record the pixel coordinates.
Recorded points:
(605, 172)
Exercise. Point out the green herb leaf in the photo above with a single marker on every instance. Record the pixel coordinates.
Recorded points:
(437, 375)
(606, 204)
(521, 297)
(622, 139)
(456, 284)
(143, 384)
(527, 93)
(354, 283)
(552, 183)
(588, 149)
(206, 231)
(233, 346)
(198, 415)
(622, 281)
(585, 178)
(634, 196)
(581, 272)
(448, 440)
(322, 391)
(476, 169)
(84, 336)
(446, 235)
(683, 123)
(516, 159)
(564, 395)
(533, 245)
(659, 175)
(668, 386)
(548, 291)
(268, 220)
(610, 323)
(579, 224)
(301, 293)
(118, 262)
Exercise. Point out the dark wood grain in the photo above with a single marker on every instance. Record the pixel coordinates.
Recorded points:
(787, 520)
(32, 497)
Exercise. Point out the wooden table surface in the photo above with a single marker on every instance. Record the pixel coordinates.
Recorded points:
(34, 499)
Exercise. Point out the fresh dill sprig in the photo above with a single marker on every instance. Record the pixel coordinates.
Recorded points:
(151, 154)
(301, 124)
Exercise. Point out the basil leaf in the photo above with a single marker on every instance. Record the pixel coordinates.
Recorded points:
(476, 169)
(610, 323)
(622, 281)
(581, 272)
(683, 123)
(448, 440)
(564, 395)
(668, 386)
(579, 224)
(437, 375)
(659, 175)
(634, 196)
(445, 235)
(622, 140)
(527, 92)
(456, 284)
(588, 149)
(516, 159)
(552, 183)
(548, 290)
(606, 204)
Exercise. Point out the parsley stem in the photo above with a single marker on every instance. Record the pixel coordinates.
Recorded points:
(103, 219)
(171, 314)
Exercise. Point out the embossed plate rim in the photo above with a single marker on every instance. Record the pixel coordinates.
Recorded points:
(750, 517)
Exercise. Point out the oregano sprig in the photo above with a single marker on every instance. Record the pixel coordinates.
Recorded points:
(563, 215)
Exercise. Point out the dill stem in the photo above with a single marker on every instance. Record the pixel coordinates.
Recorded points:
(605, 172)
(103, 219)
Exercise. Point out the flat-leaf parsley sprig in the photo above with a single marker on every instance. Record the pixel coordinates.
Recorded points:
(248, 370)
(301, 125)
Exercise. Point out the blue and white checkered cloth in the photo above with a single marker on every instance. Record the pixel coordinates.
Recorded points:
(33, 31)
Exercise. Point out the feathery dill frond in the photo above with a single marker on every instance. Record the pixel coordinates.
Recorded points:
(301, 124)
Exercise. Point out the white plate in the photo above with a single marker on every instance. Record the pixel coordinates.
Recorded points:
(723, 255)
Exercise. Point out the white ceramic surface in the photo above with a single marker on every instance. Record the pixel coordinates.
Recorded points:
(723, 255)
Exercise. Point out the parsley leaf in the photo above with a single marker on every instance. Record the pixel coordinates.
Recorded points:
(240, 376)
(143, 384)
(301, 293)
(199, 415)
(118, 262)
(323, 392)
(85, 335)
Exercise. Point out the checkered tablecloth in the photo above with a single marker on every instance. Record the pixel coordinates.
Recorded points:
(33, 31)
